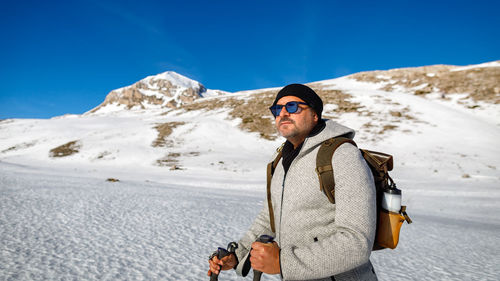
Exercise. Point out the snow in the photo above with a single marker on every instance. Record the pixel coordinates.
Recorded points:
(171, 76)
(60, 218)
(482, 65)
(419, 87)
(175, 78)
(383, 77)
(62, 227)
(213, 93)
(151, 93)
(108, 109)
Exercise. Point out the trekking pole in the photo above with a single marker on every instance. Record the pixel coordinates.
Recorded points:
(263, 239)
(220, 253)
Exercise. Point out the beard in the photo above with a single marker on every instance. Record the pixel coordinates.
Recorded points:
(288, 132)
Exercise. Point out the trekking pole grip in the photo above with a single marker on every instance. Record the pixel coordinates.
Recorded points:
(262, 239)
(221, 253)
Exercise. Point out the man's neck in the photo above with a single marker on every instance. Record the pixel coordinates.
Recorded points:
(296, 141)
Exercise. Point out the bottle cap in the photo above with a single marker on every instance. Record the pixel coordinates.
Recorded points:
(394, 191)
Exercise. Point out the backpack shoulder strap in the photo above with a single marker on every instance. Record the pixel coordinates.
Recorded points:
(324, 167)
(270, 171)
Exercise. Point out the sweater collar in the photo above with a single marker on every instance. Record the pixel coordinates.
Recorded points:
(289, 153)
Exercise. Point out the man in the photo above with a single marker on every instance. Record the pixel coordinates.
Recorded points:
(314, 239)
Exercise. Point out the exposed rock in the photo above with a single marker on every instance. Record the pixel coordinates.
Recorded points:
(66, 149)
(167, 89)
(175, 167)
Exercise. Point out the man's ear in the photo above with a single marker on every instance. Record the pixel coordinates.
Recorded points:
(316, 119)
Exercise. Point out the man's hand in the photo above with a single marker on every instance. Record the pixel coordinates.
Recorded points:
(265, 257)
(226, 263)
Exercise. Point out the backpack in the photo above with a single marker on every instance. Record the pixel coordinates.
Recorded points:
(388, 223)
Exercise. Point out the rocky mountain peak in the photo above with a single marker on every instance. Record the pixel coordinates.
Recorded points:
(167, 89)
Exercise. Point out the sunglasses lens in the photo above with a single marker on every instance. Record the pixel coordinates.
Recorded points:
(276, 110)
(292, 107)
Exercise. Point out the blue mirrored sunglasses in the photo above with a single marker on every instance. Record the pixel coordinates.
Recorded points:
(291, 107)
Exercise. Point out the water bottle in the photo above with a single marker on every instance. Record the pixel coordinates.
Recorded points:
(391, 201)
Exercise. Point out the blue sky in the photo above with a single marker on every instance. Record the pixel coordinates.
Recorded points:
(60, 57)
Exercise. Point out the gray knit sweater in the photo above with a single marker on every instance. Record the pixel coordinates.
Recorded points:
(319, 239)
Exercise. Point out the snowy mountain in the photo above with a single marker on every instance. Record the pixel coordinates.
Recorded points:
(170, 121)
(175, 146)
(168, 89)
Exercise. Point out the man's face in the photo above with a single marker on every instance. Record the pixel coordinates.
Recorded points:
(295, 127)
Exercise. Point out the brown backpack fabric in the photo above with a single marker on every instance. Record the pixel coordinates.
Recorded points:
(388, 223)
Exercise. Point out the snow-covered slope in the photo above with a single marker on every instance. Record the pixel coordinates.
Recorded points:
(211, 152)
(207, 133)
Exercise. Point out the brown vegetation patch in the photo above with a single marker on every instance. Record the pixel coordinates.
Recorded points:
(253, 111)
(368, 125)
(255, 115)
(164, 130)
(112, 180)
(396, 113)
(481, 83)
(389, 127)
(337, 97)
(19, 146)
(66, 149)
(402, 114)
(169, 160)
(427, 90)
(103, 154)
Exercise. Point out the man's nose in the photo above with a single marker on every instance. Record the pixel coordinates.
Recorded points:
(283, 112)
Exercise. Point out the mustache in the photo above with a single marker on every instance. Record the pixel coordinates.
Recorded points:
(287, 119)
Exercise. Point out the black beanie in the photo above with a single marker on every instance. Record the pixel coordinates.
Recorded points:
(304, 93)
